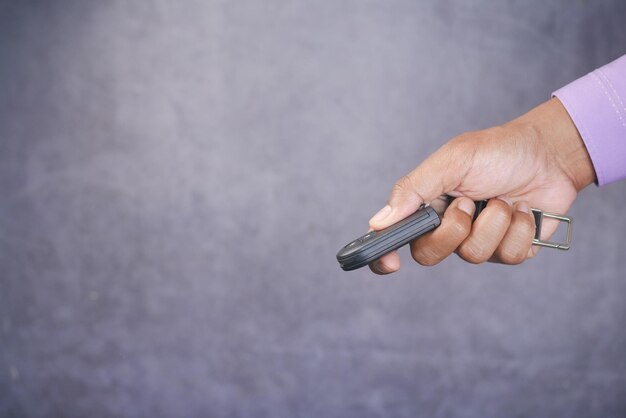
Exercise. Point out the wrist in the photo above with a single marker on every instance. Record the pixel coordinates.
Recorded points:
(554, 129)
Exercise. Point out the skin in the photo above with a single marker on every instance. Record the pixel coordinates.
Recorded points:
(537, 160)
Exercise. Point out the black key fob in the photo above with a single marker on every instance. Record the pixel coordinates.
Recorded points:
(375, 244)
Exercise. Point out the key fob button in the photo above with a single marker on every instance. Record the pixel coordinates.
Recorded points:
(368, 235)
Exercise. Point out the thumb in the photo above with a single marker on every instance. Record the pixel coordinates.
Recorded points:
(438, 174)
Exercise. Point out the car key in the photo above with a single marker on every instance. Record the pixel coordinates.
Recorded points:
(375, 244)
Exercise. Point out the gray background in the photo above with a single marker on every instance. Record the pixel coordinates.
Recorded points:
(177, 177)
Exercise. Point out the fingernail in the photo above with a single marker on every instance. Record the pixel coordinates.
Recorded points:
(522, 207)
(467, 206)
(381, 214)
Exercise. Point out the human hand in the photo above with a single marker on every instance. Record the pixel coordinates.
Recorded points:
(537, 160)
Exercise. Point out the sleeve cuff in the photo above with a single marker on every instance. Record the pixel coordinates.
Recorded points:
(597, 105)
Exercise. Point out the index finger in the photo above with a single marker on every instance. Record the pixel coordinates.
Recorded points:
(456, 225)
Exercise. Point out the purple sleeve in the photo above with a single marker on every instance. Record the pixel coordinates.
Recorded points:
(597, 105)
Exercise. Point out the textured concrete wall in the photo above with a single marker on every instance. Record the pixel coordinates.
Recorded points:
(177, 177)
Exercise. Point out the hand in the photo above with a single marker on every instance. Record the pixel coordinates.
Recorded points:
(537, 160)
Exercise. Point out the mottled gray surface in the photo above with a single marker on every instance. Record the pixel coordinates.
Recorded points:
(177, 177)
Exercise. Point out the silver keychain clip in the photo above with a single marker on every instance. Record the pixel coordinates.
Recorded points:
(539, 215)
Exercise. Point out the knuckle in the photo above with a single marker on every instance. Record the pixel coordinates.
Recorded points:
(459, 229)
(403, 184)
(528, 226)
(425, 257)
(473, 254)
(464, 139)
(516, 247)
(513, 256)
